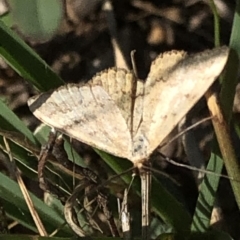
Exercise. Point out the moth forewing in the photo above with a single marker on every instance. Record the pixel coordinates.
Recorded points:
(90, 121)
(168, 100)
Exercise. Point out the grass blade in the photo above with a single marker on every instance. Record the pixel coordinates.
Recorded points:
(25, 61)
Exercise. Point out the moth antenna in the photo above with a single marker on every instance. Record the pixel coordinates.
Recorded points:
(191, 148)
(196, 169)
(185, 131)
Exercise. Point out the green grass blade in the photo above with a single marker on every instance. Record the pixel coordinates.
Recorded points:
(231, 77)
(10, 121)
(42, 19)
(25, 61)
(15, 206)
(25, 161)
(42, 133)
(216, 23)
(206, 198)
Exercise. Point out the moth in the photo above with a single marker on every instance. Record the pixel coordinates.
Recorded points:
(128, 117)
(124, 116)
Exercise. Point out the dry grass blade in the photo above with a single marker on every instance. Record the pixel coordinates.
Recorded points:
(125, 216)
(224, 140)
(103, 203)
(26, 196)
(69, 212)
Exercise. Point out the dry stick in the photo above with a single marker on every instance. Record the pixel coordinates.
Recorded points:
(120, 60)
(125, 217)
(149, 9)
(26, 196)
(69, 212)
(74, 220)
(225, 144)
(12, 225)
(145, 176)
(145, 193)
(103, 203)
(42, 160)
(134, 66)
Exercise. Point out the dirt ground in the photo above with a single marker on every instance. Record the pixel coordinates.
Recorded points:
(82, 46)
